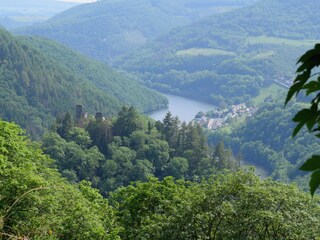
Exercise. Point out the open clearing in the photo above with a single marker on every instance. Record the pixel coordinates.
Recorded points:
(273, 90)
(204, 52)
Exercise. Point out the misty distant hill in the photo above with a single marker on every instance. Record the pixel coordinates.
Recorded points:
(40, 79)
(21, 13)
(229, 57)
(106, 29)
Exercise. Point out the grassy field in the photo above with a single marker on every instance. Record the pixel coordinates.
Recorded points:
(285, 41)
(263, 55)
(273, 91)
(204, 52)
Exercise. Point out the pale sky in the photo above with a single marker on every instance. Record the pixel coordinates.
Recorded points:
(78, 1)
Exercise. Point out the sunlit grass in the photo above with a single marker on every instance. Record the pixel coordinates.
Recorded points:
(274, 90)
(263, 55)
(204, 52)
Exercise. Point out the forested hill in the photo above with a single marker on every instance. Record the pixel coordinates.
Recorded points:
(35, 87)
(109, 28)
(246, 48)
(126, 90)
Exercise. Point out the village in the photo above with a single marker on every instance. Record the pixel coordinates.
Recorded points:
(216, 119)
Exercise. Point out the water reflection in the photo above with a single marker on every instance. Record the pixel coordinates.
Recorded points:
(182, 107)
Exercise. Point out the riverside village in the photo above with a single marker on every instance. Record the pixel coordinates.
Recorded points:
(218, 118)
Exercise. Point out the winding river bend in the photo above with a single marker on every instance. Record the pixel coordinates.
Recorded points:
(186, 109)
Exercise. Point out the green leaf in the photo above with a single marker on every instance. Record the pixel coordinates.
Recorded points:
(313, 117)
(305, 56)
(305, 67)
(294, 89)
(310, 116)
(311, 87)
(311, 56)
(303, 115)
(302, 78)
(310, 124)
(311, 164)
(297, 129)
(314, 182)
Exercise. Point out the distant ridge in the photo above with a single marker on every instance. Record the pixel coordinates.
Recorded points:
(107, 29)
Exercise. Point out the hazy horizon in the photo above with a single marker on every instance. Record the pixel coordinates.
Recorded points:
(77, 1)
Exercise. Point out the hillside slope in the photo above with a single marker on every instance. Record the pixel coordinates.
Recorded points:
(123, 88)
(36, 87)
(106, 29)
(230, 56)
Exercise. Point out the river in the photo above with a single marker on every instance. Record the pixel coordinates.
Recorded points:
(184, 108)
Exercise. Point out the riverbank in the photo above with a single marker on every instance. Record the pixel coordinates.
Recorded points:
(185, 108)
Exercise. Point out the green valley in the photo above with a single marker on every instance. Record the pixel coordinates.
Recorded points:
(107, 29)
(80, 160)
(230, 57)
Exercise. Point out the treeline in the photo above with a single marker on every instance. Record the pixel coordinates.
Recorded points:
(114, 152)
(37, 203)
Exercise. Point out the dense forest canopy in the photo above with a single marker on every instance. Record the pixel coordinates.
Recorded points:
(117, 85)
(39, 79)
(36, 203)
(114, 152)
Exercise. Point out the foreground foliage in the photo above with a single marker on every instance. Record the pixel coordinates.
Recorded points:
(36, 203)
(227, 206)
(307, 82)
